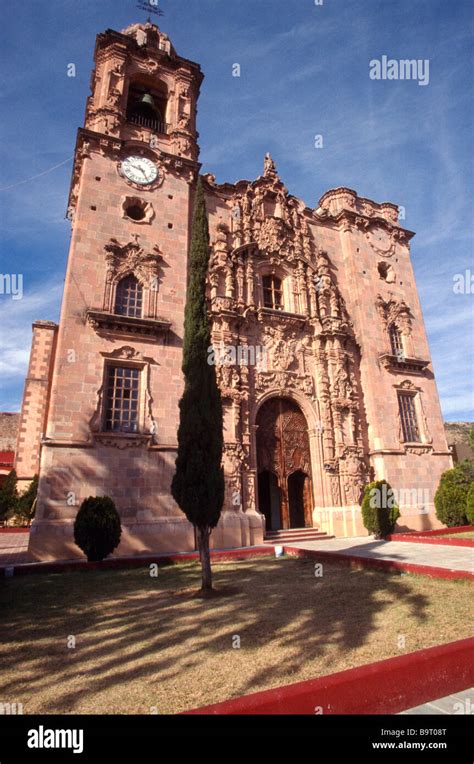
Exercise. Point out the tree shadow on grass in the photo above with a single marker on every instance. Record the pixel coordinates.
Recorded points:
(135, 632)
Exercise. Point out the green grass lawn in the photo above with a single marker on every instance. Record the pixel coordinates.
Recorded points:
(466, 535)
(147, 645)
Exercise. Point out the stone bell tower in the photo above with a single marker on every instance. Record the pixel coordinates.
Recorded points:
(112, 414)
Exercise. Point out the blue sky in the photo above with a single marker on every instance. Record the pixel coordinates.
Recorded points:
(304, 71)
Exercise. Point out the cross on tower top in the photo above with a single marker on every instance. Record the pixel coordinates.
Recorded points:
(150, 6)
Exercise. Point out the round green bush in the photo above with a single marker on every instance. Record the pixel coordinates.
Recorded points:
(379, 509)
(97, 528)
(470, 505)
(451, 495)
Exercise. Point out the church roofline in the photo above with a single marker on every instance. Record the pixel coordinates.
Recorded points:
(333, 205)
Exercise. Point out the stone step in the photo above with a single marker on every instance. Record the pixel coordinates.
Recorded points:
(295, 536)
(293, 531)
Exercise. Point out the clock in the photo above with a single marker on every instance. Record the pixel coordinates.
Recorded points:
(139, 170)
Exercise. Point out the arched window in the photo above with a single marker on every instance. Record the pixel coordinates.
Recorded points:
(396, 341)
(272, 292)
(129, 298)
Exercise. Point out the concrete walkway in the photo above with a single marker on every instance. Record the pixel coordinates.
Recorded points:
(13, 551)
(450, 557)
(13, 548)
(460, 703)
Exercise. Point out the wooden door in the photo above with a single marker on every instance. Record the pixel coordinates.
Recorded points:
(283, 449)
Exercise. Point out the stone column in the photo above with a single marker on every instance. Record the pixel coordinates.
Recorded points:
(34, 408)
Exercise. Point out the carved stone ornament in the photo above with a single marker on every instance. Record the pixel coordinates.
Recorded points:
(395, 312)
(353, 472)
(264, 214)
(127, 353)
(132, 258)
(228, 380)
(122, 440)
(419, 450)
(384, 240)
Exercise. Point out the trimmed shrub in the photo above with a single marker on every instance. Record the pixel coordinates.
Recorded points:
(470, 505)
(97, 528)
(26, 504)
(379, 509)
(451, 495)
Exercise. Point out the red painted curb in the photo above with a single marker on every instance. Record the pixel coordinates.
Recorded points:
(437, 532)
(439, 540)
(134, 562)
(14, 530)
(384, 687)
(435, 537)
(371, 562)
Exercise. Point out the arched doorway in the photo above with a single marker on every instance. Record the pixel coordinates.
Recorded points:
(284, 465)
(269, 499)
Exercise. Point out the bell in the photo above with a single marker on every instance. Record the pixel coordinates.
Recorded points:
(147, 100)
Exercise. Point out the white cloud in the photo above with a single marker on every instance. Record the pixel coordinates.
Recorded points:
(16, 318)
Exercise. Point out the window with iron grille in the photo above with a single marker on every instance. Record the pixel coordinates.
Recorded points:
(129, 298)
(411, 432)
(272, 292)
(122, 399)
(396, 342)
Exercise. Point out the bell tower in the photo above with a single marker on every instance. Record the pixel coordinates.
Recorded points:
(110, 423)
(141, 91)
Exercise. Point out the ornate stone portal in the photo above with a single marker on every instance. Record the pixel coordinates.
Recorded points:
(304, 348)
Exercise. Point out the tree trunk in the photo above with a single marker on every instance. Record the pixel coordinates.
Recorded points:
(205, 557)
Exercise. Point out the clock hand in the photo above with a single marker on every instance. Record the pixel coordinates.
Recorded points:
(137, 167)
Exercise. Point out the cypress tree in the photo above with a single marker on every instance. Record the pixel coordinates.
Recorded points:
(198, 484)
(8, 496)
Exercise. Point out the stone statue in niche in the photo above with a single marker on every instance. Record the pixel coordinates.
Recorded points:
(322, 263)
(113, 99)
(342, 383)
(352, 474)
(258, 209)
(281, 350)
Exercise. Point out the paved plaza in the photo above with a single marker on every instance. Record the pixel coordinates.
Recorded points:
(442, 556)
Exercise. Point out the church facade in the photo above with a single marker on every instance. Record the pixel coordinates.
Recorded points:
(318, 338)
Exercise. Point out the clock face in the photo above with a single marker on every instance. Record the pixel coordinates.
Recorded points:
(139, 170)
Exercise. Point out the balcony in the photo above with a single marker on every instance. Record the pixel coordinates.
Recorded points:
(102, 321)
(155, 125)
(396, 363)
